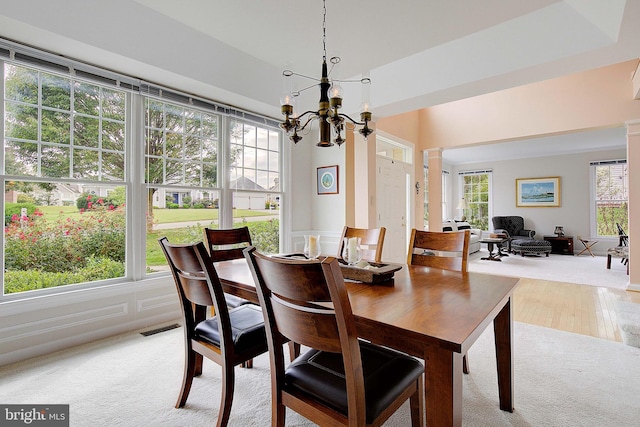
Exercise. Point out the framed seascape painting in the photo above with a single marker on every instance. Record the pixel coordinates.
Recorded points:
(328, 179)
(538, 192)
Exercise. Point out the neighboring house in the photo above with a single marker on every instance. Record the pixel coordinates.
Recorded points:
(247, 200)
(67, 194)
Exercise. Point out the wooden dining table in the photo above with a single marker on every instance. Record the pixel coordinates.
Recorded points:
(433, 314)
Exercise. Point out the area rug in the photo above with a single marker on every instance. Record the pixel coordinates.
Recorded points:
(582, 270)
(561, 379)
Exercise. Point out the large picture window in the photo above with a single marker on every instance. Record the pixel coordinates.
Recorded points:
(610, 196)
(64, 180)
(79, 186)
(476, 190)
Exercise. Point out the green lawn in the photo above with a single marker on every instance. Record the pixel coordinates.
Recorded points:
(161, 216)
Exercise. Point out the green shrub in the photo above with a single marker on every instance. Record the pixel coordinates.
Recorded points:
(173, 205)
(25, 198)
(265, 235)
(12, 211)
(28, 280)
(87, 201)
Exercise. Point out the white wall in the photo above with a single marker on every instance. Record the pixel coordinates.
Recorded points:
(48, 323)
(573, 214)
(313, 213)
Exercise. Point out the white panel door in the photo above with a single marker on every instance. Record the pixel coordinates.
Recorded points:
(392, 195)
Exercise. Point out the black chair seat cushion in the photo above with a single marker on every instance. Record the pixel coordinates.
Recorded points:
(247, 328)
(387, 373)
(234, 301)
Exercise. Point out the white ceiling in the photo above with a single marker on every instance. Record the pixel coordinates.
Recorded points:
(421, 53)
(549, 146)
(418, 53)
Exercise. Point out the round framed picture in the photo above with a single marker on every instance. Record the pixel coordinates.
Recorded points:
(328, 179)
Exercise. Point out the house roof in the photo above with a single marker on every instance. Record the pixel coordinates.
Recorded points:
(244, 183)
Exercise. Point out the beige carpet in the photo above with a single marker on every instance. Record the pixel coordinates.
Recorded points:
(583, 270)
(561, 379)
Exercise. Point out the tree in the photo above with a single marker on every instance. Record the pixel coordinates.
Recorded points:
(78, 122)
(182, 148)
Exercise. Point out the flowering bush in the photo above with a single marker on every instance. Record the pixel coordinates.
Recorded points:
(88, 201)
(66, 245)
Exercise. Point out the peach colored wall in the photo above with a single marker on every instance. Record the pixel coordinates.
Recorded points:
(405, 126)
(636, 83)
(593, 99)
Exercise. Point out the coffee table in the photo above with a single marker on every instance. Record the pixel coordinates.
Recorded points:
(491, 241)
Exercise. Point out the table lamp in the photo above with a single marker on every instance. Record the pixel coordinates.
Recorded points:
(462, 205)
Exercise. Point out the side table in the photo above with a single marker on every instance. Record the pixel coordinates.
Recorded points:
(491, 241)
(562, 245)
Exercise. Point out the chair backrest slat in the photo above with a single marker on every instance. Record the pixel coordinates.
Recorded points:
(445, 250)
(227, 244)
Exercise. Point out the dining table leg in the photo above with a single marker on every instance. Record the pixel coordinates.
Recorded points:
(443, 387)
(503, 331)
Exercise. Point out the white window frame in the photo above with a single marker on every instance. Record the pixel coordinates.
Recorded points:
(489, 173)
(593, 220)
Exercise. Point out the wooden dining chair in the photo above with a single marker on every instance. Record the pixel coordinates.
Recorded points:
(229, 338)
(372, 240)
(228, 244)
(445, 250)
(341, 380)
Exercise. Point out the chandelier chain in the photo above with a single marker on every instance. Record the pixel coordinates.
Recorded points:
(324, 30)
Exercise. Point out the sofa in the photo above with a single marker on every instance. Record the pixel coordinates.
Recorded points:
(476, 233)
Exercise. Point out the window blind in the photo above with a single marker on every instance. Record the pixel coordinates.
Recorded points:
(608, 162)
(27, 55)
(477, 172)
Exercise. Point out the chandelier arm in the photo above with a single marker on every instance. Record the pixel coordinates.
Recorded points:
(306, 77)
(309, 120)
(349, 81)
(351, 120)
(308, 87)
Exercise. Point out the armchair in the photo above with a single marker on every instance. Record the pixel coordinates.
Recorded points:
(512, 226)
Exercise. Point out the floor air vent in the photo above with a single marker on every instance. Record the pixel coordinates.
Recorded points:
(158, 330)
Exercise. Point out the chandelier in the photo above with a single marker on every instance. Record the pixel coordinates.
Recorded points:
(331, 121)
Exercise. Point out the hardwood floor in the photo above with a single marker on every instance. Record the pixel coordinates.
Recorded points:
(581, 309)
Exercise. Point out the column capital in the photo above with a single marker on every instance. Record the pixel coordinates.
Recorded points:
(633, 127)
(434, 153)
